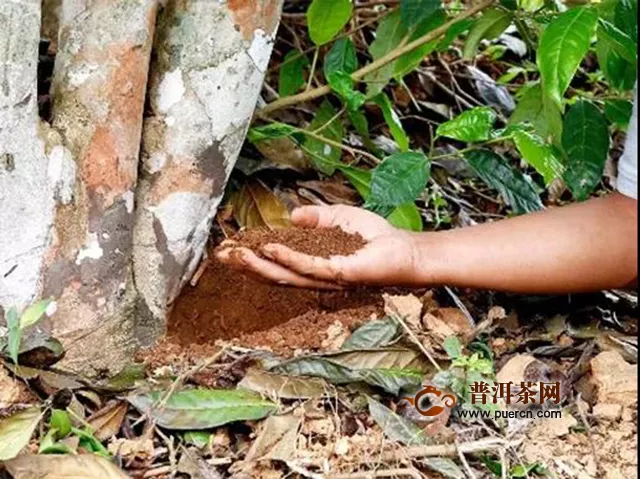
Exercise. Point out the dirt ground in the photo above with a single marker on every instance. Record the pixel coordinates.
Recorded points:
(226, 304)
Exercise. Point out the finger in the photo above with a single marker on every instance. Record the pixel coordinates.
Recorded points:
(228, 243)
(313, 216)
(325, 269)
(247, 261)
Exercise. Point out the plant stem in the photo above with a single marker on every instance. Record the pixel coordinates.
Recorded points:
(376, 65)
(312, 72)
(470, 148)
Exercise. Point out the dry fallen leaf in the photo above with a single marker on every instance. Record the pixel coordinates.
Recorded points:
(140, 448)
(284, 152)
(276, 440)
(337, 334)
(51, 466)
(408, 307)
(615, 380)
(107, 421)
(12, 391)
(255, 205)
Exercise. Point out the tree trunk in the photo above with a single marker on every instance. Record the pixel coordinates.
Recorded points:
(110, 238)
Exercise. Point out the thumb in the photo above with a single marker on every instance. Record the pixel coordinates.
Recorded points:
(312, 217)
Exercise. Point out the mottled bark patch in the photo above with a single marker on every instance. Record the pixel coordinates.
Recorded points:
(105, 172)
(169, 268)
(212, 163)
(178, 176)
(252, 15)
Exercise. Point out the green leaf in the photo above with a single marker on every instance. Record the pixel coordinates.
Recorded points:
(547, 122)
(15, 334)
(199, 439)
(202, 408)
(291, 74)
(325, 156)
(413, 12)
(359, 178)
(585, 139)
(89, 442)
(412, 60)
(470, 126)
(60, 421)
(389, 34)
(452, 346)
(376, 333)
(620, 73)
(525, 470)
(271, 131)
(453, 32)
(626, 17)
(391, 369)
(563, 45)
(326, 18)
(516, 189)
(531, 5)
(34, 313)
(540, 155)
(16, 431)
(491, 25)
(341, 58)
(399, 179)
(394, 426)
(49, 445)
(618, 112)
(618, 40)
(406, 217)
(393, 121)
(343, 85)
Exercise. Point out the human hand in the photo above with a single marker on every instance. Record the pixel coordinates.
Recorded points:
(387, 259)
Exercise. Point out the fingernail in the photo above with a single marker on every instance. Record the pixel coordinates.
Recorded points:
(268, 252)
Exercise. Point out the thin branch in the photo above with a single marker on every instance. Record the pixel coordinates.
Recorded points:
(343, 35)
(376, 65)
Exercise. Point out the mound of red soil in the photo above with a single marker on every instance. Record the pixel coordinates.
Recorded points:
(226, 304)
(324, 242)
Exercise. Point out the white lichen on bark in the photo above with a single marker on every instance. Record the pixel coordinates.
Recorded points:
(26, 201)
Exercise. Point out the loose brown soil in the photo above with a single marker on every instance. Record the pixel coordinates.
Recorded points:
(227, 304)
(324, 242)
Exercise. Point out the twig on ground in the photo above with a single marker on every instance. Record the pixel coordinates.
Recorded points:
(187, 374)
(446, 89)
(399, 472)
(587, 426)
(417, 342)
(172, 452)
(461, 307)
(156, 471)
(376, 65)
(465, 464)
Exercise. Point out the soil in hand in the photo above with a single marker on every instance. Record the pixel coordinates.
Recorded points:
(322, 242)
(227, 304)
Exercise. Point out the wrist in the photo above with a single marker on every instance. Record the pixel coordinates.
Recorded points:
(428, 259)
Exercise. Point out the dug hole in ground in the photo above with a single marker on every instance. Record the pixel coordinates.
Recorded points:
(224, 303)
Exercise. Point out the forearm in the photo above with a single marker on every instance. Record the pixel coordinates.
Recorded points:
(583, 247)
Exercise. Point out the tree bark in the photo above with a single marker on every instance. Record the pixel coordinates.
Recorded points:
(205, 80)
(79, 225)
